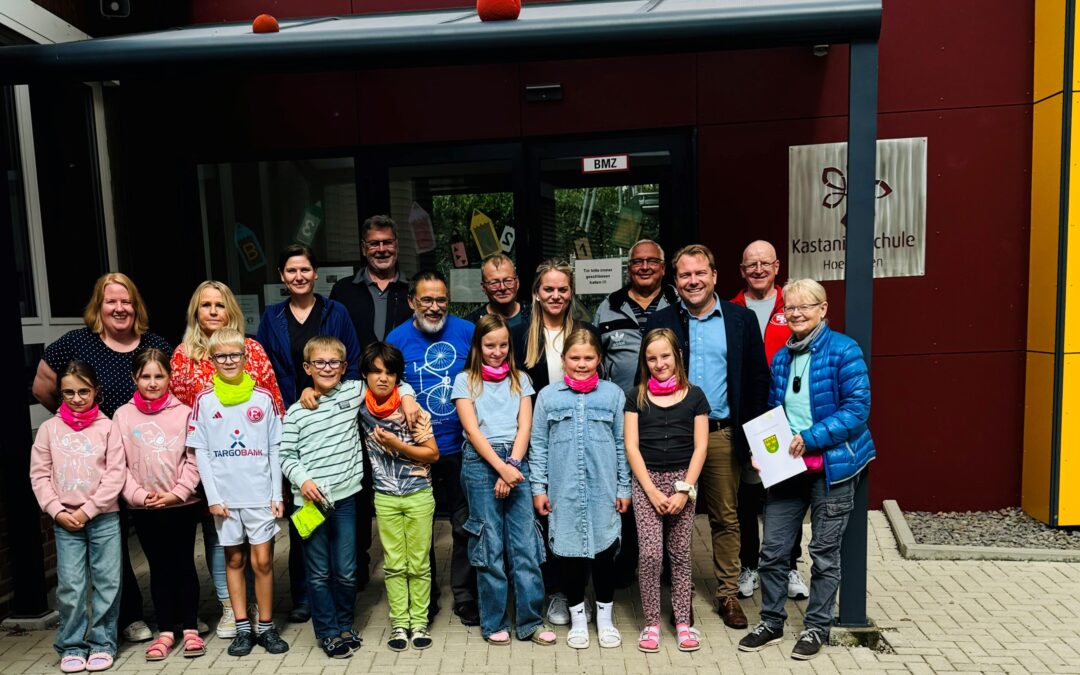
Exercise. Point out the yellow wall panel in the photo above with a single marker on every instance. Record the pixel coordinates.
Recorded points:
(1038, 407)
(1072, 289)
(1045, 197)
(1049, 48)
(1069, 477)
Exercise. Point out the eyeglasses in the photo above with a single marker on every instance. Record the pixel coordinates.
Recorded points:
(323, 364)
(750, 267)
(70, 394)
(380, 243)
(496, 284)
(228, 358)
(428, 302)
(802, 309)
(642, 262)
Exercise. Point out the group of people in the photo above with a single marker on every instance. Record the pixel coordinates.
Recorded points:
(560, 447)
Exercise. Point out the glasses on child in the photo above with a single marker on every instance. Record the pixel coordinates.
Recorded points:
(70, 394)
(227, 358)
(323, 364)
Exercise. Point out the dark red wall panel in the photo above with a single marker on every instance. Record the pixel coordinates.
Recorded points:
(755, 85)
(948, 430)
(219, 11)
(612, 94)
(415, 105)
(956, 53)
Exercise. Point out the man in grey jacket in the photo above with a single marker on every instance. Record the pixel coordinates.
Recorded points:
(621, 319)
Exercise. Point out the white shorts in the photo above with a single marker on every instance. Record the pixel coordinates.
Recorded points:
(252, 526)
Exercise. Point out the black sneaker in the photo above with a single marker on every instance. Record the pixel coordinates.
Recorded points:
(335, 648)
(272, 642)
(242, 644)
(399, 640)
(808, 646)
(761, 637)
(421, 638)
(352, 640)
(468, 612)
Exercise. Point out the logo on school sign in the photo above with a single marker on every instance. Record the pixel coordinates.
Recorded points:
(817, 209)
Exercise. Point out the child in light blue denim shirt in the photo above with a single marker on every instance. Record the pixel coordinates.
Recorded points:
(581, 481)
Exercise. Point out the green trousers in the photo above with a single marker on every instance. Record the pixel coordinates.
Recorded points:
(405, 533)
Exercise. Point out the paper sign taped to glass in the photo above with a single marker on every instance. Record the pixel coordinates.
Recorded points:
(770, 437)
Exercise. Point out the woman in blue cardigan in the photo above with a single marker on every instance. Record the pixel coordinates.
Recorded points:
(283, 331)
(821, 380)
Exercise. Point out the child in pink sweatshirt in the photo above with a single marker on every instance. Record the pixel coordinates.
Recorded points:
(162, 476)
(77, 471)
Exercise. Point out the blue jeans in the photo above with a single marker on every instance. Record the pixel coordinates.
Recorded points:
(503, 536)
(785, 508)
(89, 557)
(330, 563)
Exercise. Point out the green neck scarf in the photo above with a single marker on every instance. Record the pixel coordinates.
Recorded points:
(233, 394)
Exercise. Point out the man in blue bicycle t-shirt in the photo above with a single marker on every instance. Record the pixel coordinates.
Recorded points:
(435, 346)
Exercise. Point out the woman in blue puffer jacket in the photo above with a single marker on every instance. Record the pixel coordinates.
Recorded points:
(821, 380)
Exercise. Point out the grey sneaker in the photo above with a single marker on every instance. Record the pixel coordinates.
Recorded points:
(760, 637)
(558, 612)
(226, 627)
(796, 586)
(808, 646)
(748, 582)
(138, 631)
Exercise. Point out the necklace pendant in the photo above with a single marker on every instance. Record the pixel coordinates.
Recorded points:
(796, 384)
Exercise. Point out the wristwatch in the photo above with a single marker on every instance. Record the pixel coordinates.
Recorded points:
(687, 488)
(514, 462)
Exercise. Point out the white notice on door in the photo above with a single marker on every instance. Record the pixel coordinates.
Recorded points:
(602, 276)
(607, 163)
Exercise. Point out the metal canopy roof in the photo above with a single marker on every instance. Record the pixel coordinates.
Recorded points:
(545, 31)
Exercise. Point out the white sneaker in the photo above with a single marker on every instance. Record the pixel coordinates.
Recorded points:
(138, 631)
(748, 581)
(796, 586)
(226, 628)
(558, 611)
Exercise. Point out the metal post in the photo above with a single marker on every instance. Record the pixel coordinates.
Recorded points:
(859, 292)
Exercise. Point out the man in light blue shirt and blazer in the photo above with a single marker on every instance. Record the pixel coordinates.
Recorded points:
(725, 356)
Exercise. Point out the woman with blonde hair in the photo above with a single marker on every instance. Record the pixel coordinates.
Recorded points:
(539, 344)
(116, 331)
(213, 307)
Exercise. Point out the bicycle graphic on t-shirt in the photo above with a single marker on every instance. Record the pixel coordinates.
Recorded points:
(438, 358)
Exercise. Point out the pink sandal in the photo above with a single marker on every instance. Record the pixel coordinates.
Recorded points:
(99, 661)
(160, 648)
(649, 640)
(193, 644)
(689, 638)
(72, 663)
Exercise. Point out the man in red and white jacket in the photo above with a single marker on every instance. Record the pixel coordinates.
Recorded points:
(759, 268)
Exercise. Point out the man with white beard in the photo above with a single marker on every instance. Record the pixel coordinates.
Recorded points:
(435, 346)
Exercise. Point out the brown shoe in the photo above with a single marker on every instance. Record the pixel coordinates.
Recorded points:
(731, 612)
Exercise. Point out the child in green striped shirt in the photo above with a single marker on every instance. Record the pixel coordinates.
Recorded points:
(321, 455)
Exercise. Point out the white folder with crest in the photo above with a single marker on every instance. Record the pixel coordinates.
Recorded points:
(770, 437)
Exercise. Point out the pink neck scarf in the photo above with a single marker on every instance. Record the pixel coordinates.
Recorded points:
(664, 387)
(78, 420)
(582, 386)
(150, 407)
(495, 374)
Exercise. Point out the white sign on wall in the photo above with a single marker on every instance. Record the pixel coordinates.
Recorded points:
(817, 209)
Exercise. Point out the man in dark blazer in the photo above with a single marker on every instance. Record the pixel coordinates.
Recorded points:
(725, 356)
(377, 299)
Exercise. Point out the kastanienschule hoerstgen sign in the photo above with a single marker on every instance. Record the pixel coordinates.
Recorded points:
(817, 209)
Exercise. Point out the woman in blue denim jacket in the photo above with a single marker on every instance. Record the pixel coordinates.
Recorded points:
(493, 400)
(581, 481)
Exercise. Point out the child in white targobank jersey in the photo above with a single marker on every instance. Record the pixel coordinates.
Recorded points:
(236, 434)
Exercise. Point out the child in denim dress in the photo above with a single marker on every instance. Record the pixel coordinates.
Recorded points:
(493, 402)
(581, 481)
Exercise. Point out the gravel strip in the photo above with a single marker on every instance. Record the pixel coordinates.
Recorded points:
(1006, 528)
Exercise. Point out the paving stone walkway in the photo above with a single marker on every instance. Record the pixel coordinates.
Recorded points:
(955, 617)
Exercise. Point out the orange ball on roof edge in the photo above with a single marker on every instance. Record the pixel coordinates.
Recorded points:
(498, 10)
(264, 23)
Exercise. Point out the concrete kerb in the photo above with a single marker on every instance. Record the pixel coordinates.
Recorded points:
(46, 622)
(910, 550)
